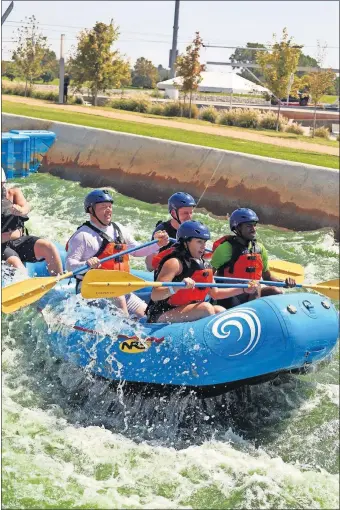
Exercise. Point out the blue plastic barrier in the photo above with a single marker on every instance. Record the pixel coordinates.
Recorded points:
(40, 142)
(15, 154)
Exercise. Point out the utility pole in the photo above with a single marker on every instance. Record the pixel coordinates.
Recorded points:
(61, 70)
(6, 13)
(173, 51)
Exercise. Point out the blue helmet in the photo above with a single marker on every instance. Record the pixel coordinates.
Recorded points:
(180, 199)
(190, 229)
(242, 215)
(97, 196)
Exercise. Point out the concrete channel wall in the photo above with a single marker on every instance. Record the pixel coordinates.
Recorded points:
(283, 193)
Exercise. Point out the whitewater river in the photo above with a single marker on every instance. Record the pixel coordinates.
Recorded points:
(70, 441)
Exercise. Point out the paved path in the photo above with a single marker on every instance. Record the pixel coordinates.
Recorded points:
(213, 129)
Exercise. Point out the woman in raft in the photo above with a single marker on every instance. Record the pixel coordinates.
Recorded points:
(184, 262)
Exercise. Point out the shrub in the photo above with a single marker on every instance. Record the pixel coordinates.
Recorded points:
(172, 109)
(247, 118)
(295, 128)
(142, 103)
(186, 111)
(78, 100)
(268, 121)
(123, 104)
(19, 90)
(241, 117)
(156, 93)
(47, 76)
(16, 90)
(322, 132)
(208, 113)
(156, 109)
(227, 118)
(133, 105)
(47, 95)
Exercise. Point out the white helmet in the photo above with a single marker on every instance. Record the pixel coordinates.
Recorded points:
(3, 175)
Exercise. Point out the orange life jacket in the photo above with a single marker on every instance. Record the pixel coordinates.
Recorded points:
(110, 247)
(245, 262)
(200, 272)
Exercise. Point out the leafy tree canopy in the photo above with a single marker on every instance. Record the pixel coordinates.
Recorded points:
(95, 64)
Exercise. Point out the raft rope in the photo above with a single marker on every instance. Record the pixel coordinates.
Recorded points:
(211, 178)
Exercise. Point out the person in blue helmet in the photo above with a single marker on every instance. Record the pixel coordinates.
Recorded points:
(181, 207)
(185, 263)
(240, 255)
(100, 237)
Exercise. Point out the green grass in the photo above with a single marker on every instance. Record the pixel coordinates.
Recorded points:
(183, 120)
(263, 132)
(36, 82)
(329, 99)
(53, 82)
(174, 134)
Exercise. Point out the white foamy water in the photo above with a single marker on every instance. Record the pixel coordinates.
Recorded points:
(71, 440)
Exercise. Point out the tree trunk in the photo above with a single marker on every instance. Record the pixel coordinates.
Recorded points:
(26, 88)
(190, 104)
(278, 116)
(183, 105)
(314, 121)
(95, 97)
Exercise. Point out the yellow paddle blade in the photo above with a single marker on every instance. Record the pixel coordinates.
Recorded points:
(99, 283)
(282, 269)
(21, 294)
(329, 289)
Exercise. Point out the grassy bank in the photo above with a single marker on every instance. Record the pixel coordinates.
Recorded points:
(174, 134)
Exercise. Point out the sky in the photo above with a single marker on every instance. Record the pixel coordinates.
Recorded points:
(146, 26)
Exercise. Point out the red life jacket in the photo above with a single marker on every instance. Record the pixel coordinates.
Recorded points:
(200, 272)
(157, 259)
(245, 262)
(110, 247)
(220, 241)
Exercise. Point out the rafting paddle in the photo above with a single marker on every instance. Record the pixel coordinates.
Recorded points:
(108, 284)
(21, 294)
(329, 288)
(280, 268)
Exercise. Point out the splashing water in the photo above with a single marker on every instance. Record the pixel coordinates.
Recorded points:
(72, 440)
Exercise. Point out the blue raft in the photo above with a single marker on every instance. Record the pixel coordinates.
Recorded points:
(248, 344)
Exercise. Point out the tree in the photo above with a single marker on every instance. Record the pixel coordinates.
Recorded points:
(47, 76)
(163, 74)
(144, 74)
(50, 64)
(306, 61)
(29, 53)
(247, 56)
(95, 64)
(10, 71)
(318, 83)
(189, 67)
(278, 65)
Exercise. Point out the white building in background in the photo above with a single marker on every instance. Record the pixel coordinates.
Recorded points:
(218, 82)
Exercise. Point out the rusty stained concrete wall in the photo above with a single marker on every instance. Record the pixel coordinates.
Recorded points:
(283, 193)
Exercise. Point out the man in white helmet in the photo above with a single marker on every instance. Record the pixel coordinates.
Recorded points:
(17, 246)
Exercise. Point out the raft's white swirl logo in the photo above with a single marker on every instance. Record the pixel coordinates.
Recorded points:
(221, 327)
